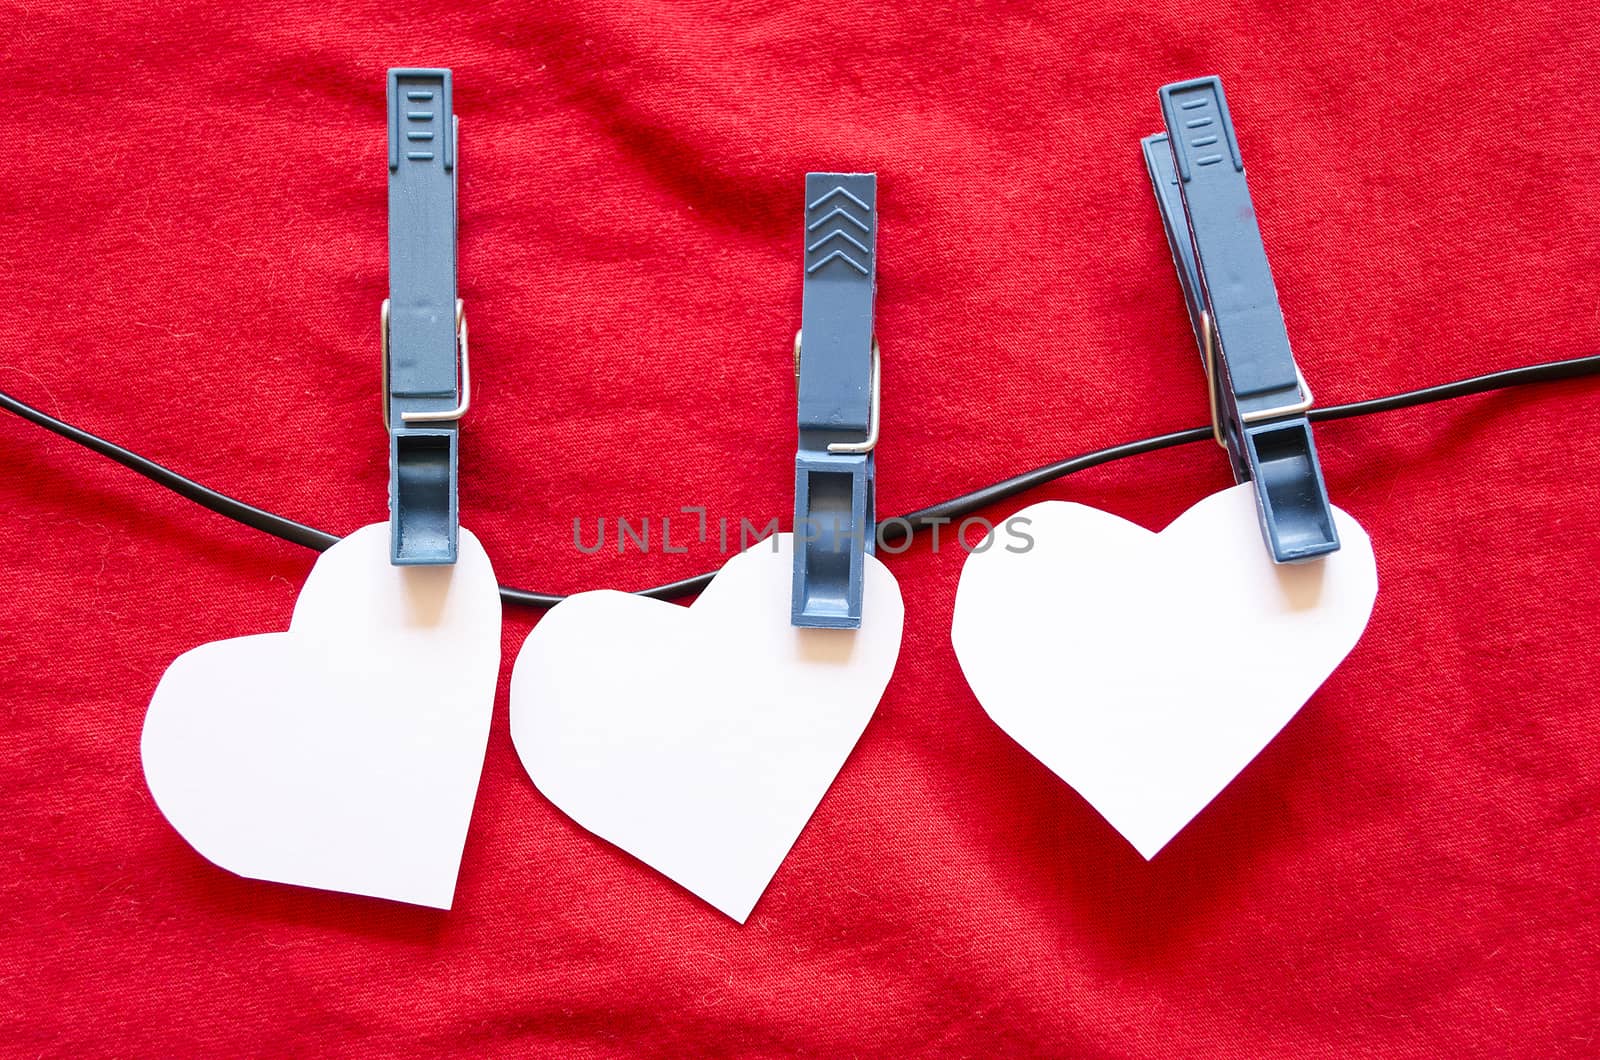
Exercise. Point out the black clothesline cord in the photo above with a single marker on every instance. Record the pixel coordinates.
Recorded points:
(893, 530)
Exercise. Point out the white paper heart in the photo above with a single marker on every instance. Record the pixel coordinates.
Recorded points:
(345, 753)
(1146, 670)
(700, 740)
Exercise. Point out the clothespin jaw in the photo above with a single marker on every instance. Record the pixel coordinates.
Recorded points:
(424, 332)
(836, 368)
(1258, 396)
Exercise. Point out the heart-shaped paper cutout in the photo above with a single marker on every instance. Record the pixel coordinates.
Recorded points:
(1146, 670)
(345, 753)
(701, 739)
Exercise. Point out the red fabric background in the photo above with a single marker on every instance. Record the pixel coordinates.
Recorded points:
(193, 255)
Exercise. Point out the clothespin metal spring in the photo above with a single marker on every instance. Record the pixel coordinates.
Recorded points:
(1213, 389)
(453, 415)
(870, 443)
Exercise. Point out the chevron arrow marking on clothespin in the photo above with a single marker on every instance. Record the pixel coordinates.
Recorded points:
(839, 233)
(841, 255)
(838, 211)
(839, 190)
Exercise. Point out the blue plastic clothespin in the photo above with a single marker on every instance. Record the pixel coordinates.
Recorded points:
(836, 366)
(424, 327)
(1258, 396)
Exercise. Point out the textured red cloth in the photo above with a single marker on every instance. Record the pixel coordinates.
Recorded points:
(193, 227)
